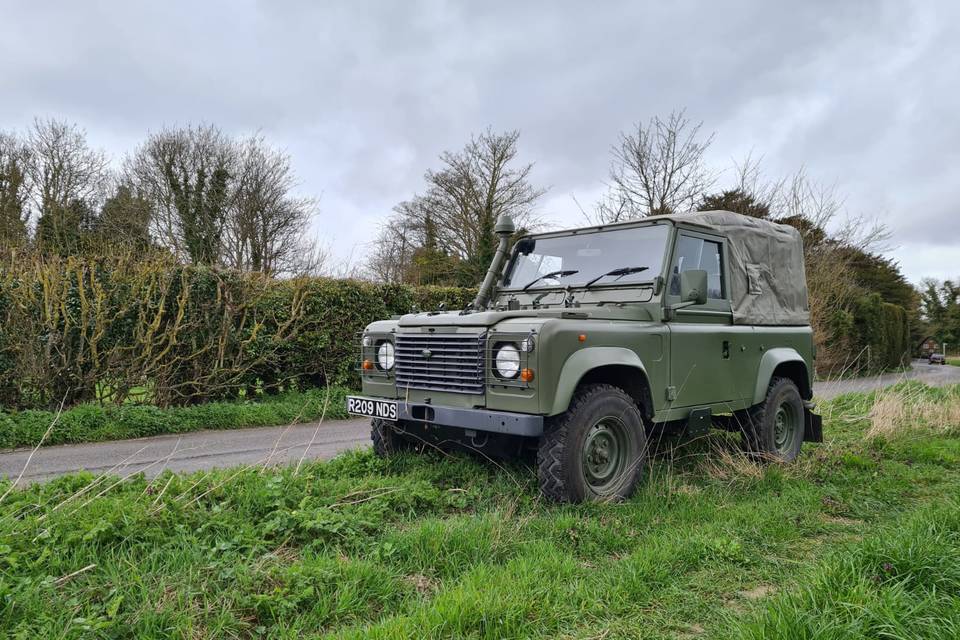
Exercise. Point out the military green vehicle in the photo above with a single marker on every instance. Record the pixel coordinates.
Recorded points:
(586, 344)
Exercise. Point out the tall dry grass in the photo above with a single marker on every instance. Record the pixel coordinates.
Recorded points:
(910, 409)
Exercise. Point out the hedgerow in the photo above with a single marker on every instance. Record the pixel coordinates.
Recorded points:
(883, 329)
(109, 329)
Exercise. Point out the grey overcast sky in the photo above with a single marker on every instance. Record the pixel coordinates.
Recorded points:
(365, 95)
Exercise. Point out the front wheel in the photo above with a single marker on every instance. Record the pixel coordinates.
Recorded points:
(387, 439)
(774, 428)
(597, 450)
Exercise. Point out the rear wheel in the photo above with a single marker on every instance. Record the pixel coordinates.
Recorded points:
(594, 451)
(774, 428)
(387, 438)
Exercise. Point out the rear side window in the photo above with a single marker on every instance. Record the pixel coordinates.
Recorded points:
(697, 253)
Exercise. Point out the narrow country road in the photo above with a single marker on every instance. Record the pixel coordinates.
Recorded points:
(932, 374)
(287, 445)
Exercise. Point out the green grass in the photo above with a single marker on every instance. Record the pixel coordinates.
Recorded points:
(954, 361)
(861, 539)
(96, 423)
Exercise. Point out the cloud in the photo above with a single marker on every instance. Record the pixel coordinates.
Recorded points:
(365, 96)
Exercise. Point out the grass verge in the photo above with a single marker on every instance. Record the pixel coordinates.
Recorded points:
(861, 538)
(96, 423)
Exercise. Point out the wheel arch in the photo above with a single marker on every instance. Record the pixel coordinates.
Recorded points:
(616, 366)
(782, 362)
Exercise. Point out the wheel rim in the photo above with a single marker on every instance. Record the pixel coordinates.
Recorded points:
(786, 428)
(605, 455)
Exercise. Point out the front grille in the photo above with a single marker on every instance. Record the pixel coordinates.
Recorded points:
(441, 362)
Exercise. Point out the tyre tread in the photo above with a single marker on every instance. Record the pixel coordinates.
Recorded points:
(756, 418)
(385, 440)
(554, 483)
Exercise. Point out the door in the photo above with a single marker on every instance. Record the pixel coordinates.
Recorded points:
(708, 353)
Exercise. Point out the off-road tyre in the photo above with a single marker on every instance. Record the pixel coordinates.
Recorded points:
(565, 470)
(763, 426)
(386, 440)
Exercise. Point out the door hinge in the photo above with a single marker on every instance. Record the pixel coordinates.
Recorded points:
(671, 393)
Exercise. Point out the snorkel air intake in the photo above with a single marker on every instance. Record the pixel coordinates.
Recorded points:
(504, 229)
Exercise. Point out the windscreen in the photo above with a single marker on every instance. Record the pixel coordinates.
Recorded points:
(577, 259)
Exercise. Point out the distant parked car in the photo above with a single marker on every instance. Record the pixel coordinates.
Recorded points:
(937, 358)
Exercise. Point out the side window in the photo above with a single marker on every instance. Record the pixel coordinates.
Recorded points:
(697, 253)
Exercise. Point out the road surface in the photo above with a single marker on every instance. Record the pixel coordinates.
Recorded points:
(287, 445)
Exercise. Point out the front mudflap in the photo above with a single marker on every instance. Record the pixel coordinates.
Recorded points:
(812, 424)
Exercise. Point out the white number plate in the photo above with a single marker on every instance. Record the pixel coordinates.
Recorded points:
(383, 409)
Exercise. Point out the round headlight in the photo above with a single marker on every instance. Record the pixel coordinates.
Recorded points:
(507, 361)
(385, 355)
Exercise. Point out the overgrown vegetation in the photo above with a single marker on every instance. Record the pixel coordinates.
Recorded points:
(103, 329)
(861, 538)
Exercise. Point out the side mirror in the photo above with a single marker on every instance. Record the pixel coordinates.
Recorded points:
(693, 286)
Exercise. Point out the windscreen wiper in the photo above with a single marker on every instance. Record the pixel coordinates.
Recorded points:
(553, 274)
(622, 271)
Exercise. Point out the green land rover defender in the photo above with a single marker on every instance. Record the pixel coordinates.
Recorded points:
(585, 344)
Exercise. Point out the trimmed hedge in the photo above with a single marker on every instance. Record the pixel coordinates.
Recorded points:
(108, 330)
(882, 331)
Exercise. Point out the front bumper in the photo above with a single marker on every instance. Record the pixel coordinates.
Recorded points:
(506, 422)
(517, 424)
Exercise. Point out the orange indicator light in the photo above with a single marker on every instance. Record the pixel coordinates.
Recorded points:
(526, 375)
(582, 337)
(367, 365)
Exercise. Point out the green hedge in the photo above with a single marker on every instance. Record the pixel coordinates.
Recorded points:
(108, 330)
(880, 333)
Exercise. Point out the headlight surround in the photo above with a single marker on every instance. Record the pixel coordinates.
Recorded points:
(386, 355)
(507, 360)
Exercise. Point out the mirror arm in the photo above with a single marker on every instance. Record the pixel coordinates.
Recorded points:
(670, 311)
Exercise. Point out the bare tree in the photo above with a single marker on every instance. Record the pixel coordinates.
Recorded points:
(391, 254)
(464, 198)
(267, 224)
(14, 193)
(658, 168)
(62, 167)
(217, 200)
(188, 176)
(67, 180)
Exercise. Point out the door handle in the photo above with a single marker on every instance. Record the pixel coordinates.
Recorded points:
(726, 349)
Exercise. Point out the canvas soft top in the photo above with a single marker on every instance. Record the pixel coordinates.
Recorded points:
(768, 284)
